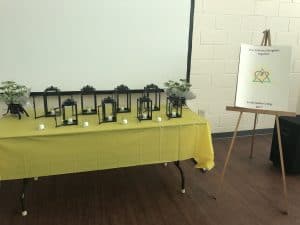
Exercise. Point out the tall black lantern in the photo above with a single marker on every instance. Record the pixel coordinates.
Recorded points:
(51, 92)
(153, 92)
(123, 98)
(144, 108)
(88, 92)
(109, 110)
(68, 114)
(174, 106)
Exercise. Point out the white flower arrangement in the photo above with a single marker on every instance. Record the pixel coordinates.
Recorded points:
(13, 93)
(180, 89)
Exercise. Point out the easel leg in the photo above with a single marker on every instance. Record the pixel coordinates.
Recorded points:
(228, 154)
(282, 165)
(253, 136)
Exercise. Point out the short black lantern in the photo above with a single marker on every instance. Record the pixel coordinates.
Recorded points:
(51, 92)
(87, 93)
(68, 114)
(144, 108)
(123, 99)
(153, 92)
(174, 106)
(107, 111)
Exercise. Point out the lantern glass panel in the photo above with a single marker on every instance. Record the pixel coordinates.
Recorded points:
(69, 111)
(52, 100)
(123, 99)
(88, 104)
(122, 102)
(156, 101)
(88, 100)
(52, 104)
(153, 92)
(107, 110)
(37, 101)
(174, 107)
(58, 117)
(144, 108)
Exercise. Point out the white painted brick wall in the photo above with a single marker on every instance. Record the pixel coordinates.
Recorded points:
(266, 8)
(278, 24)
(254, 23)
(220, 27)
(213, 37)
(294, 24)
(289, 9)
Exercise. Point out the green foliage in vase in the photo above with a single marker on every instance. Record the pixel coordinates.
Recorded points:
(13, 93)
(181, 89)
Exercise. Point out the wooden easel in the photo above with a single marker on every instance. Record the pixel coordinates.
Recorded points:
(265, 41)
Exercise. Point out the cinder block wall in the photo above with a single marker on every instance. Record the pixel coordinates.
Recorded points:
(220, 26)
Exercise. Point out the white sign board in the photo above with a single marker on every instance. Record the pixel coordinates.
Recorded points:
(263, 78)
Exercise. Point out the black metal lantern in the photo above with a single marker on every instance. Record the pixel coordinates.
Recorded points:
(153, 92)
(68, 114)
(122, 92)
(88, 92)
(107, 111)
(51, 92)
(174, 106)
(144, 108)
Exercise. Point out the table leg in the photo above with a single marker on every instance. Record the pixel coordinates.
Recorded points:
(177, 164)
(22, 197)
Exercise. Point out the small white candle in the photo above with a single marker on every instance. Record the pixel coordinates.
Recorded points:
(125, 121)
(145, 115)
(110, 118)
(122, 108)
(52, 112)
(159, 119)
(89, 110)
(85, 124)
(174, 114)
(41, 127)
(70, 120)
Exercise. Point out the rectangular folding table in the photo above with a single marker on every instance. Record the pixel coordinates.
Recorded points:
(26, 152)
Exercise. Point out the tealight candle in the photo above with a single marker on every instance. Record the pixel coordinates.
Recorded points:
(110, 118)
(125, 121)
(122, 108)
(174, 114)
(159, 119)
(85, 124)
(89, 110)
(145, 115)
(70, 120)
(41, 127)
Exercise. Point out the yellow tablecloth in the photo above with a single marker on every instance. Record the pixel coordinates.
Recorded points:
(26, 152)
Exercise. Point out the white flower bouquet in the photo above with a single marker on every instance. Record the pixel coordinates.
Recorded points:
(15, 96)
(180, 89)
(13, 93)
